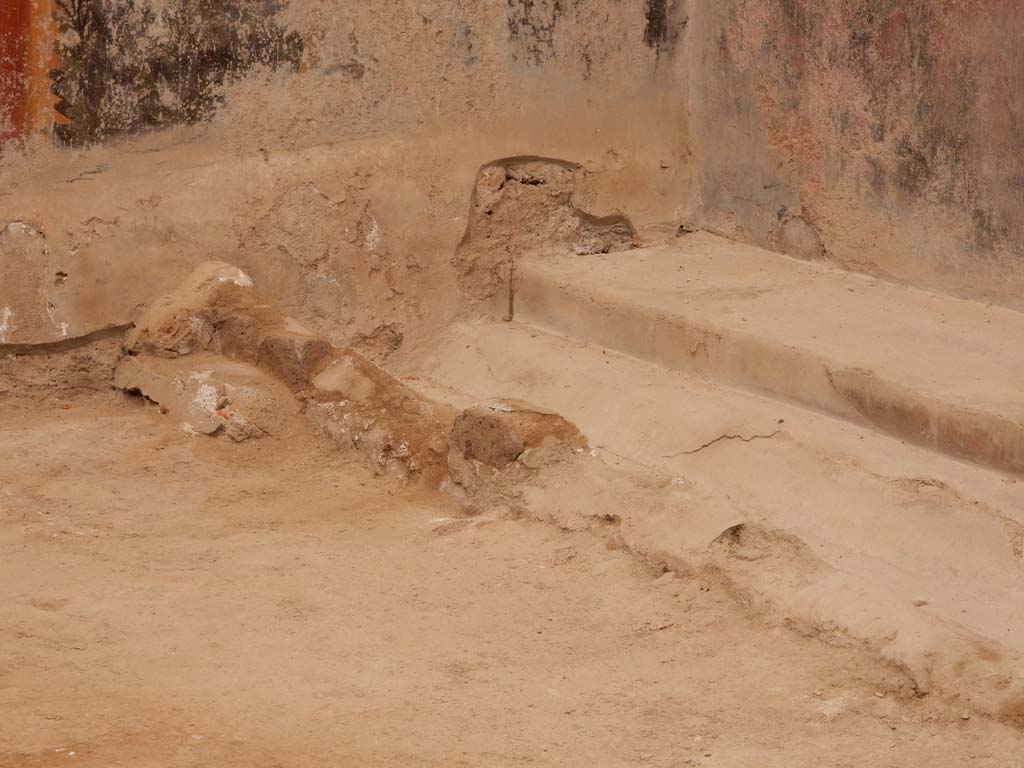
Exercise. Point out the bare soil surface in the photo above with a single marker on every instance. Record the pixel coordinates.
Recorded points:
(168, 600)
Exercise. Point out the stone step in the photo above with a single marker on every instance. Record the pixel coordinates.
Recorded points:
(915, 553)
(936, 371)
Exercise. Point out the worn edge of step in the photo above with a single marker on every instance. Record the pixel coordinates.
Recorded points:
(954, 662)
(769, 367)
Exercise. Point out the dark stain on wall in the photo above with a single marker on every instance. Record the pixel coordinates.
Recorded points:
(913, 169)
(531, 28)
(662, 24)
(119, 73)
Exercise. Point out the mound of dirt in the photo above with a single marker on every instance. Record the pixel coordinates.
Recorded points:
(217, 313)
(208, 394)
(500, 432)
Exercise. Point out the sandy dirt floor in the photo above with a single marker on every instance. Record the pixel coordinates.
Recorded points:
(175, 601)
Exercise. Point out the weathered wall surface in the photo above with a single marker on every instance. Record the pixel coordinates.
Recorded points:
(894, 128)
(339, 173)
(332, 148)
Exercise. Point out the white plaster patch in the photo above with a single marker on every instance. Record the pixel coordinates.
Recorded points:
(832, 708)
(239, 278)
(51, 311)
(22, 228)
(206, 397)
(6, 315)
(372, 234)
(243, 280)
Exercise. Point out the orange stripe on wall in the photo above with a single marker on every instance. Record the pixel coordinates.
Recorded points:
(41, 59)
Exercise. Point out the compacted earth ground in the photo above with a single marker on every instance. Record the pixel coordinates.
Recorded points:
(176, 600)
(414, 406)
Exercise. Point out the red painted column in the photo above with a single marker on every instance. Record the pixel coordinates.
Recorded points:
(14, 28)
